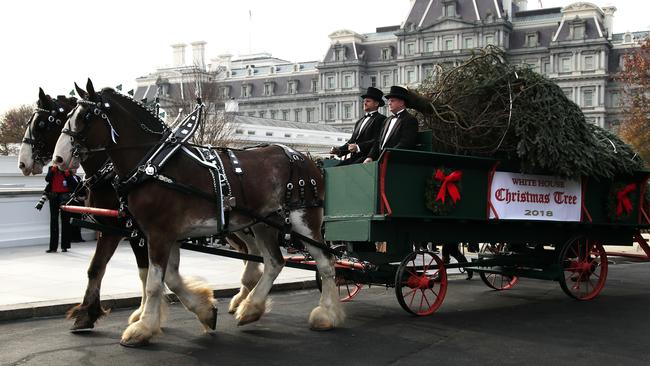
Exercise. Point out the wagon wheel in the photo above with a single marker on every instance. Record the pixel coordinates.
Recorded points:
(584, 268)
(497, 281)
(347, 289)
(421, 283)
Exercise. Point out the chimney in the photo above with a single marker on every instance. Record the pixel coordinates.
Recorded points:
(178, 55)
(609, 20)
(521, 4)
(198, 54)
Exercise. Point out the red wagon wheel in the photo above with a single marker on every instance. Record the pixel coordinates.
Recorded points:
(584, 268)
(421, 283)
(497, 281)
(347, 289)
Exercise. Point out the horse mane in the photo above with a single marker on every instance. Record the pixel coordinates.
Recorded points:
(140, 111)
(69, 102)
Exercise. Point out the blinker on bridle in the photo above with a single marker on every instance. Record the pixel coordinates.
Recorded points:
(51, 118)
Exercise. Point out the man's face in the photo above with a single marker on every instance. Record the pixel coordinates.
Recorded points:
(370, 105)
(395, 105)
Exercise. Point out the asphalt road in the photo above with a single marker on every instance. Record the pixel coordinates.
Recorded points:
(532, 324)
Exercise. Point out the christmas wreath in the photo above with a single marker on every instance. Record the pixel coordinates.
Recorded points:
(620, 201)
(442, 191)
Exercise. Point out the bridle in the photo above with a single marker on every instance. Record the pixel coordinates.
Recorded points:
(100, 109)
(53, 117)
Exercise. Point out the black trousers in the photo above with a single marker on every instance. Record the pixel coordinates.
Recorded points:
(57, 199)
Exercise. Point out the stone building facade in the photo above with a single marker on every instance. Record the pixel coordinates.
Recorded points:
(573, 45)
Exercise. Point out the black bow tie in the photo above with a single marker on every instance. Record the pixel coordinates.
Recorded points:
(369, 114)
(396, 115)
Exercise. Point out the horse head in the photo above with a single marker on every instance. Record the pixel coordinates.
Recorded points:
(42, 131)
(103, 121)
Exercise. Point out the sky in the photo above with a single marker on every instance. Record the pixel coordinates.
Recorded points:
(52, 44)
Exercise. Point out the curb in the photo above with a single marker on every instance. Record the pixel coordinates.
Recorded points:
(60, 307)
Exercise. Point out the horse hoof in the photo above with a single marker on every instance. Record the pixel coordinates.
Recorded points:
(321, 326)
(213, 325)
(80, 327)
(247, 319)
(133, 343)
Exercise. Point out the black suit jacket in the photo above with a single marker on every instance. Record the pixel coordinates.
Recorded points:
(403, 136)
(365, 138)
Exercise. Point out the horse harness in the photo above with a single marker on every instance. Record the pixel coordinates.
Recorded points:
(151, 165)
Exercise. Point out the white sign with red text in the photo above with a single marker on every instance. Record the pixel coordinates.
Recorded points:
(535, 197)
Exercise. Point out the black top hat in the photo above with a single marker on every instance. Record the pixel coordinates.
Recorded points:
(398, 92)
(376, 94)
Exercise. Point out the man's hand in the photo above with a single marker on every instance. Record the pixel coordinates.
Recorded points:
(353, 148)
(334, 150)
(368, 160)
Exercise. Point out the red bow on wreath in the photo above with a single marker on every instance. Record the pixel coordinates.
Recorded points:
(448, 185)
(623, 200)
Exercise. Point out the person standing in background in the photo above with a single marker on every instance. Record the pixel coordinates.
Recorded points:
(58, 194)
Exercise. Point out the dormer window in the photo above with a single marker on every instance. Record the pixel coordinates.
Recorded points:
(627, 38)
(386, 53)
(292, 87)
(577, 30)
(339, 53)
(449, 7)
(246, 90)
(225, 91)
(269, 88)
(250, 70)
(532, 39)
(272, 70)
(296, 67)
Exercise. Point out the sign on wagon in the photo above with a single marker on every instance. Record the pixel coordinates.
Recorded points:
(535, 197)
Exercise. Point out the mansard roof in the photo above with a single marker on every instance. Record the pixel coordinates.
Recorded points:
(425, 13)
(593, 29)
(544, 36)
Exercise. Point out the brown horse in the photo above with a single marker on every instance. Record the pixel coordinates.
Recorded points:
(111, 121)
(42, 132)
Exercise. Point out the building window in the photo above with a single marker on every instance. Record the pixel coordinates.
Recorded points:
(347, 81)
(565, 64)
(296, 115)
(410, 76)
(331, 82)
(268, 88)
(410, 49)
(331, 112)
(287, 135)
(310, 115)
(614, 99)
(347, 111)
(225, 91)
(269, 134)
(579, 32)
(568, 92)
(385, 80)
(373, 81)
(251, 114)
(469, 43)
(314, 85)
(589, 62)
(450, 8)
(251, 132)
(292, 87)
(386, 53)
(261, 114)
(449, 44)
(339, 53)
(285, 115)
(239, 131)
(489, 40)
(428, 46)
(588, 98)
(246, 90)
(273, 113)
(627, 38)
(428, 72)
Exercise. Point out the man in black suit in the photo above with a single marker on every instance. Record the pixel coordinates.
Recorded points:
(366, 130)
(400, 130)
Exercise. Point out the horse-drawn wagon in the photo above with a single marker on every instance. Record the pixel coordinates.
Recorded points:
(534, 226)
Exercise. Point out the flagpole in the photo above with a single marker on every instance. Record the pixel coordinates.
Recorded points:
(250, 30)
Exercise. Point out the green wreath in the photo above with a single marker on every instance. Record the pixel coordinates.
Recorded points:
(614, 213)
(432, 190)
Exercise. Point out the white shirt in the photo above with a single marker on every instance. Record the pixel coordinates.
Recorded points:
(390, 128)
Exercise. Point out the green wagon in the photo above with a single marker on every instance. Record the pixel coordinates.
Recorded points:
(533, 226)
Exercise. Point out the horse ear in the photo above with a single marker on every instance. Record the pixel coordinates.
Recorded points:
(80, 92)
(41, 95)
(91, 90)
